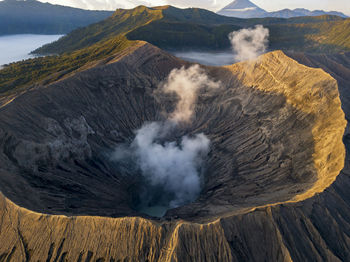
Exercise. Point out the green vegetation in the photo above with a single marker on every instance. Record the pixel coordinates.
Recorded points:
(17, 76)
(336, 35)
(120, 23)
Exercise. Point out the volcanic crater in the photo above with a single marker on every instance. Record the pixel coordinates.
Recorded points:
(271, 138)
(275, 129)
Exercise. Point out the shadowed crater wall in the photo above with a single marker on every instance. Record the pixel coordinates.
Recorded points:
(57, 140)
(275, 128)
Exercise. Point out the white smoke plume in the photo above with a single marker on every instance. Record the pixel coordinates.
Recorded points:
(175, 166)
(186, 83)
(248, 44)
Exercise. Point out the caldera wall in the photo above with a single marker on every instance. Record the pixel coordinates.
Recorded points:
(242, 214)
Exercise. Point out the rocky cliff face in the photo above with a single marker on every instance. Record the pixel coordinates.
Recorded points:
(276, 129)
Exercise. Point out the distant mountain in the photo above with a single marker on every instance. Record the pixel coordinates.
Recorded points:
(287, 13)
(34, 17)
(247, 9)
(242, 9)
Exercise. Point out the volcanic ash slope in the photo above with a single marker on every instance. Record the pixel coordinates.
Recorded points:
(276, 129)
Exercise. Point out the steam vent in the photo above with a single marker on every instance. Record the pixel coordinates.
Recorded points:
(275, 129)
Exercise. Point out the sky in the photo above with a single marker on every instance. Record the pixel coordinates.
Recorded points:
(214, 5)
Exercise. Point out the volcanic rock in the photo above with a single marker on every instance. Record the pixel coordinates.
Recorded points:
(276, 130)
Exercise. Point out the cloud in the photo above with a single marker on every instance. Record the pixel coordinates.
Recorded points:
(206, 4)
(145, 3)
(248, 44)
(186, 83)
(93, 4)
(214, 5)
(114, 4)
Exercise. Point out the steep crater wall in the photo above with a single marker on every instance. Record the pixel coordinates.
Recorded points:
(55, 140)
(275, 128)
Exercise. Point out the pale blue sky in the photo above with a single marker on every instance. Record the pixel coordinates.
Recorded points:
(269, 5)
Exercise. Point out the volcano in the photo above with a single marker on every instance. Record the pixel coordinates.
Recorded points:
(276, 131)
(243, 9)
(256, 169)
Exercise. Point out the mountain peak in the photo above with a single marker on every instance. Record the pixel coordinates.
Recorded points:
(242, 9)
(241, 4)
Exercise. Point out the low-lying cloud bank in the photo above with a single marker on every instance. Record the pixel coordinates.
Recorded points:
(172, 165)
(249, 43)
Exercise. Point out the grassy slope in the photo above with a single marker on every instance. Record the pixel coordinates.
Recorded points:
(120, 23)
(17, 76)
(336, 34)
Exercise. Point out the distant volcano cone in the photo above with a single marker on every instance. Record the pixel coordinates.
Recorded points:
(242, 9)
(241, 4)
